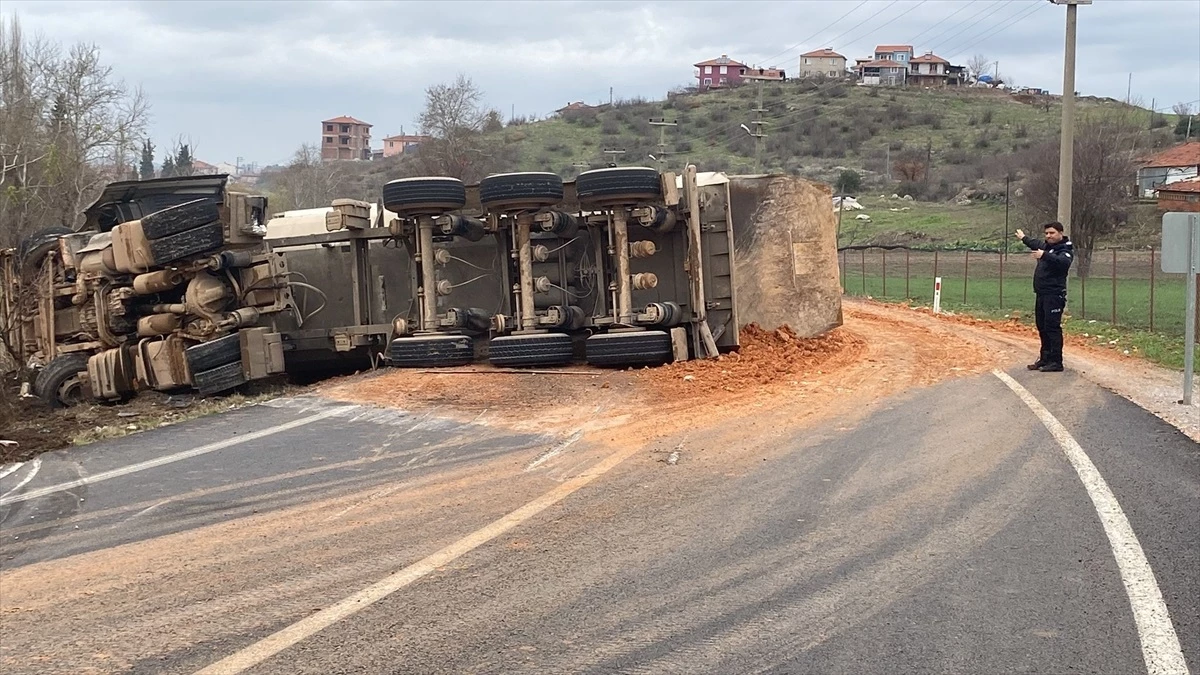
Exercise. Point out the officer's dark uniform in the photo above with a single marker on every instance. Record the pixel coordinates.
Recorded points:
(1050, 287)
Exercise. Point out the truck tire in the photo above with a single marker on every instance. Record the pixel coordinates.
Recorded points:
(530, 189)
(60, 384)
(618, 185)
(553, 349)
(214, 353)
(181, 218)
(424, 196)
(620, 350)
(188, 243)
(431, 351)
(33, 248)
(219, 379)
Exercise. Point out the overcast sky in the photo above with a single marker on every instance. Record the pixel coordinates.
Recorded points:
(254, 79)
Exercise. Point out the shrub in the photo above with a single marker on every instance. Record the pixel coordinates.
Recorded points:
(956, 142)
(896, 145)
(848, 180)
(983, 142)
(610, 128)
(987, 116)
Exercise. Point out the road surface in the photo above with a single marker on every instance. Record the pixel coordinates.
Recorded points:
(946, 529)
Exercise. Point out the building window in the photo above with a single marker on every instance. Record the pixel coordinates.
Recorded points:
(345, 128)
(345, 141)
(724, 70)
(708, 81)
(807, 62)
(833, 73)
(741, 71)
(833, 62)
(329, 139)
(724, 81)
(901, 57)
(328, 127)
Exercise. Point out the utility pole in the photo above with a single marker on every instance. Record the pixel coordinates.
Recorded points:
(1066, 149)
(758, 122)
(888, 161)
(1129, 90)
(612, 156)
(662, 125)
(928, 159)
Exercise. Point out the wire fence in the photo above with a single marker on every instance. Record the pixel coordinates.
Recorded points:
(1124, 287)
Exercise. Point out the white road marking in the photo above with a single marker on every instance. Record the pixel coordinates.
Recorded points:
(169, 459)
(1160, 645)
(556, 450)
(10, 468)
(311, 625)
(33, 470)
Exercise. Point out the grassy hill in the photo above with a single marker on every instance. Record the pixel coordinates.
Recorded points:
(813, 130)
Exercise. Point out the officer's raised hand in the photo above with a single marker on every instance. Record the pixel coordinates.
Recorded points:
(1020, 234)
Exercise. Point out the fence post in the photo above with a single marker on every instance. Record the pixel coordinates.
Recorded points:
(885, 272)
(863, 269)
(843, 270)
(907, 263)
(1151, 289)
(1114, 287)
(1001, 280)
(935, 263)
(1082, 297)
(966, 267)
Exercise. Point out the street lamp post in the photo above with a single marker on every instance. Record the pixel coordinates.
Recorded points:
(1066, 151)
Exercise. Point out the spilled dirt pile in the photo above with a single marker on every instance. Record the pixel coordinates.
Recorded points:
(765, 358)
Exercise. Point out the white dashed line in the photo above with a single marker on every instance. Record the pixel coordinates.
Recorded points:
(1160, 644)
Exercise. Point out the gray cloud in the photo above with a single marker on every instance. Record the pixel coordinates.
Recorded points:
(253, 79)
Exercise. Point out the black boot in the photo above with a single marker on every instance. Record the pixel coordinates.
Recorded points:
(1036, 365)
(1051, 368)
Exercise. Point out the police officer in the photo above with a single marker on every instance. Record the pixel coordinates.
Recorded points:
(1053, 257)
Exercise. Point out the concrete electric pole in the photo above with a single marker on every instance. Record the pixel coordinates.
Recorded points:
(758, 122)
(1066, 150)
(662, 125)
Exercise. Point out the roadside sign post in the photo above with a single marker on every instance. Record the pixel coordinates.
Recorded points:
(937, 295)
(1181, 255)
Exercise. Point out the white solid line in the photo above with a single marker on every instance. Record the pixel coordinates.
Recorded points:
(1160, 645)
(555, 451)
(10, 468)
(307, 627)
(168, 459)
(33, 470)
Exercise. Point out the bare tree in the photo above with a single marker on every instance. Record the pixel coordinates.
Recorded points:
(67, 125)
(1107, 146)
(307, 182)
(910, 166)
(454, 119)
(978, 65)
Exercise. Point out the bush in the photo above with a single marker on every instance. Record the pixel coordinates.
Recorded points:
(720, 115)
(987, 116)
(610, 128)
(848, 181)
(983, 142)
(683, 146)
(956, 142)
(1020, 131)
(896, 145)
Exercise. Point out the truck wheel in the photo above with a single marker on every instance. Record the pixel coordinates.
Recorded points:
(31, 249)
(424, 196)
(214, 353)
(219, 379)
(60, 383)
(191, 242)
(553, 349)
(431, 351)
(530, 189)
(621, 185)
(643, 348)
(180, 218)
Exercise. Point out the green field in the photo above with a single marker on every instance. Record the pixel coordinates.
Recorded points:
(972, 284)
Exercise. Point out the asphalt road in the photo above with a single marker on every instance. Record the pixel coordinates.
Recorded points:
(944, 531)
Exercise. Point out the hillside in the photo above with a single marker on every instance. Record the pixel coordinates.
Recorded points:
(812, 130)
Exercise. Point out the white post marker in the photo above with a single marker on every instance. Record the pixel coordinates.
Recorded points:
(1181, 255)
(937, 295)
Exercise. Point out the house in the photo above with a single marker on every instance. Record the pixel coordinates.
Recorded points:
(400, 144)
(345, 138)
(1182, 195)
(1179, 163)
(882, 72)
(775, 74)
(899, 53)
(201, 168)
(929, 70)
(822, 63)
(573, 107)
(719, 72)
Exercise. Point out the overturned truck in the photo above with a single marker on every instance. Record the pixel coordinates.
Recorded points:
(182, 284)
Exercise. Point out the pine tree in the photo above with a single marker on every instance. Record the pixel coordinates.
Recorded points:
(183, 161)
(168, 167)
(147, 168)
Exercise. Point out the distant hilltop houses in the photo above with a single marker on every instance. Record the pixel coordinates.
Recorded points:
(889, 66)
(348, 138)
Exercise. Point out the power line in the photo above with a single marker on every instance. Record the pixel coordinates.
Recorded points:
(964, 45)
(967, 23)
(816, 34)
